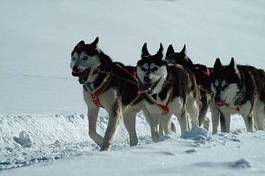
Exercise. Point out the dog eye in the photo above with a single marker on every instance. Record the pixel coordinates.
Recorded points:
(143, 69)
(85, 58)
(154, 69)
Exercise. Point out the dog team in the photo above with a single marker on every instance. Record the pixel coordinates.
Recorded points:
(164, 85)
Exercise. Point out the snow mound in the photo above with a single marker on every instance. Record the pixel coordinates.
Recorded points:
(191, 151)
(28, 139)
(201, 135)
(241, 164)
(238, 164)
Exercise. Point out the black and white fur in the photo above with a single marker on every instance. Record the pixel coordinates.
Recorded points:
(94, 68)
(238, 89)
(202, 74)
(160, 82)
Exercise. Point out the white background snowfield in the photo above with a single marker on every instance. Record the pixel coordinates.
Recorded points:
(43, 123)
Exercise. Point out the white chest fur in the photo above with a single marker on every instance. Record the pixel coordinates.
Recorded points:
(242, 109)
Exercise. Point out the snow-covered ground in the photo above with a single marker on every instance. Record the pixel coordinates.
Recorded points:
(42, 114)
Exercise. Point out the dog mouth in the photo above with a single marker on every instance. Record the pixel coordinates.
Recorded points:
(221, 102)
(82, 76)
(149, 87)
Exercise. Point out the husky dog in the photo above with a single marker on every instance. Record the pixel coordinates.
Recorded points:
(168, 90)
(239, 89)
(109, 85)
(202, 74)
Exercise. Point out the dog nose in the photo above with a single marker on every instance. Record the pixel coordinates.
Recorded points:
(217, 99)
(75, 68)
(147, 79)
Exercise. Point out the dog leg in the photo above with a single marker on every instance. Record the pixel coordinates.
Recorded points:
(226, 124)
(183, 122)
(194, 113)
(166, 123)
(156, 128)
(92, 124)
(248, 119)
(215, 117)
(154, 124)
(222, 121)
(206, 123)
(129, 119)
(114, 119)
(259, 116)
(203, 109)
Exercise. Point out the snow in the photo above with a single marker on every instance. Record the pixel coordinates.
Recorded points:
(43, 123)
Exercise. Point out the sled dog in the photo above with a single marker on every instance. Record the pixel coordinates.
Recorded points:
(109, 85)
(238, 89)
(202, 74)
(168, 90)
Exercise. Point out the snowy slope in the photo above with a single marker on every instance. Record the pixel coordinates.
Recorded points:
(41, 102)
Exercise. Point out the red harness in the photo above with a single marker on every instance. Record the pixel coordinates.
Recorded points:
(164, 107)
(98, 92)
(227, 105)
(237, 108)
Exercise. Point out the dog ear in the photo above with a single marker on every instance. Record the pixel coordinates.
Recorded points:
(160, 51)
(170, 50)
(232, 63)
(81, 43)
(95, 42)
(145, 51)
(183, 51)
(217, 65)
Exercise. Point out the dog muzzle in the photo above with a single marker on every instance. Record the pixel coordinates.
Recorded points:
(82, 76)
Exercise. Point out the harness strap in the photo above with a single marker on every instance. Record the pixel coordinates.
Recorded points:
(95, 95)
(164, 107)
(236, 109)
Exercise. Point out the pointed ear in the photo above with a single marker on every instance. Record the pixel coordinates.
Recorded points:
(183, 51)
(170, 50)
(160, 51)
(217, 65)
(95, 42)
(81, 43)
(145, 50)
(232, 63)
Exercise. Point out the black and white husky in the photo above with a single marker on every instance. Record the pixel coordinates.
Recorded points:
(239, 89)
(202, 74)
(109, 85)
(168, 90)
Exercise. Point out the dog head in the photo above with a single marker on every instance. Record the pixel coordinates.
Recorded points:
(85, 61)
(173, 57)
(224, 82)
(151, 70)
